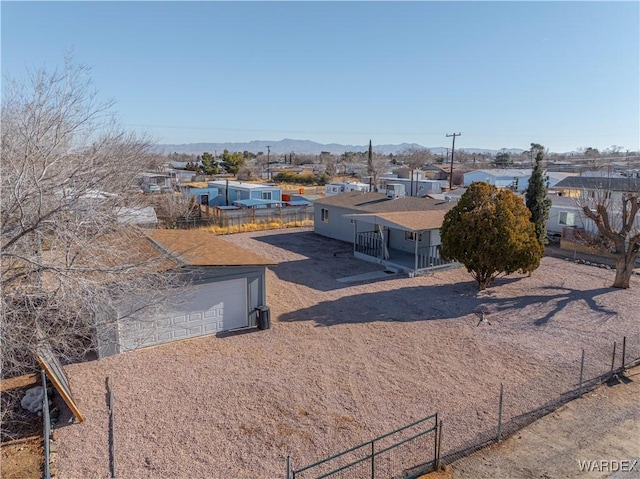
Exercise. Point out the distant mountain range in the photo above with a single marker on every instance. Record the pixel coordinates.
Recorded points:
(306, 147)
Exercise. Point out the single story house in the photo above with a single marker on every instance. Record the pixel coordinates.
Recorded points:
(228, 193)
(566, 213)
(144, 216)
(401, 233)
(437, 172)
(419, 186)
(155, 182)
(515, 179)
(338, 187)
(224, 288)
(597, 187)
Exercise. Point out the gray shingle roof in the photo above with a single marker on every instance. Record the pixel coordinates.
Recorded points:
(379, 203)
(351, 199)
(598, 183)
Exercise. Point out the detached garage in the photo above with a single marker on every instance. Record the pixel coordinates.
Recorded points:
(225, 290)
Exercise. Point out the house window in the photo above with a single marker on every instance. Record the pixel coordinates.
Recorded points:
(266, 195)
(567, 218)
(325, 215)
(411, 236)
(204, 199)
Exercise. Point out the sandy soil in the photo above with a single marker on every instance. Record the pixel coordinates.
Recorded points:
(22, 459)
(345, 362)
(582, 430)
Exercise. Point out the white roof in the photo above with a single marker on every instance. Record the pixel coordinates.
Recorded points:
(504, 172)
(240, 184)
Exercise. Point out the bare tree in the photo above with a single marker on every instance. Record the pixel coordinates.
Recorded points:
(66, 260)
(618, 222)
(415, 158)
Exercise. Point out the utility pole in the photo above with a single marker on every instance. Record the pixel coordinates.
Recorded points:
(268, 163)
(453, 147)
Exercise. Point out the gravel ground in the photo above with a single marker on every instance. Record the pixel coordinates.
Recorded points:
(581, 431)
(343, 363)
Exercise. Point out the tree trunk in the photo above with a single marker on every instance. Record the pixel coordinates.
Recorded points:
(624, 269)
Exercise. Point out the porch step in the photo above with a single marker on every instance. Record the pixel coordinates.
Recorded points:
(365, 277)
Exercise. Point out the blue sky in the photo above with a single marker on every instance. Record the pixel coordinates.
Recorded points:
(505, 74)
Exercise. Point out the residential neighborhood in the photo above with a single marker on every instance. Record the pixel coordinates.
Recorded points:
(310, 240)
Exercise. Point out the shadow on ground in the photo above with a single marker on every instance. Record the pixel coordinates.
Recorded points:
(425, 303)
(328, 259)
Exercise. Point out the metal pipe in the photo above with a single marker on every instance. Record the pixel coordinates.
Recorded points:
(47, 426)
(500, 413)
(581, 374)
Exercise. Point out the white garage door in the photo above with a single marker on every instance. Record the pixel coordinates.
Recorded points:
(199, 310)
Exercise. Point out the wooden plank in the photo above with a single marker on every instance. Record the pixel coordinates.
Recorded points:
(19, 382)
(58, 378)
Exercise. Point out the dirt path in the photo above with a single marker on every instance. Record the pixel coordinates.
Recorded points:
(603, 425)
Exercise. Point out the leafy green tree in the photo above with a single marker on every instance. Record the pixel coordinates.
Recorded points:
(232, 162)
(503, 159)
(209, 164)
(536, 198)
(490, 233)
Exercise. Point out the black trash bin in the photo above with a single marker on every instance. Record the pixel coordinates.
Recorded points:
(264, 317)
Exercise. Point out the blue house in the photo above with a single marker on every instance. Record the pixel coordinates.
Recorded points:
(235, 193)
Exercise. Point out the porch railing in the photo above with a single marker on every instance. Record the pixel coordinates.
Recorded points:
(429, 256)
(369, 243)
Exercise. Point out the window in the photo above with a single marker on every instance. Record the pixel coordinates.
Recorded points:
(325, 215)
(204, 199)
(266, 195)
(567, 218)
(411, 236)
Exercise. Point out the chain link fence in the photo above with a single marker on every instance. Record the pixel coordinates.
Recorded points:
(465, 431)
(517, 406)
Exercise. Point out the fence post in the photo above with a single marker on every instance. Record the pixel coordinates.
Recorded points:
(439, 449)
(373, 459)
(47, 426)
(112, 439)
(500, 413)
(624, 350)
(613, 359)
(288, 467)
(581, 374)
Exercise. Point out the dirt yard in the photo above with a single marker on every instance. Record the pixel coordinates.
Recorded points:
(344, 363)
(582, 430)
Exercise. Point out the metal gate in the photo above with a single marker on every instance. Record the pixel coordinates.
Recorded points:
(404, 453)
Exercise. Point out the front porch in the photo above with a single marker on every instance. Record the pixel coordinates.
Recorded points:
(370, 246)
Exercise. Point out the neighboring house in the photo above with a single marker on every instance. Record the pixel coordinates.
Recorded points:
(230, 193)
(597, 187)
(402, 234)
(437, 172)
(180, 175)
(226, 289)
(515, 179)
(339, 187)
(418, 186)
(566, 213)
(155, 182)
(143, 216)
